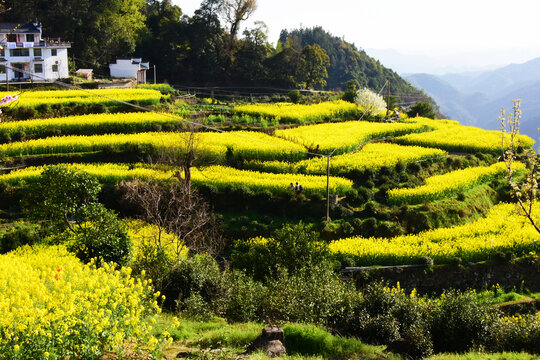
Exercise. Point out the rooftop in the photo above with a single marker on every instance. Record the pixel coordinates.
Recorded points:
(18, 28)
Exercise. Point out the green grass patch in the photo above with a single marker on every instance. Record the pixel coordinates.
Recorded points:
(312, 340)
(482, 356)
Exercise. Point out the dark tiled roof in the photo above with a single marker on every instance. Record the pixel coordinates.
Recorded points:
(17, 28)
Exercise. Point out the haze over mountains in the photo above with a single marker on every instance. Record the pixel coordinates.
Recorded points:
(476, 98)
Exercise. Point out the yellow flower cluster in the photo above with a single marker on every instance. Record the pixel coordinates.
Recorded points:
(449, 184)
(372, 156)
(53, 306)
(503, 229)
(289, 112)
(251, 145)
(146, 237)
(450, 135)
(219, 176)
(346, 136)
(91, 124)
(35, 98)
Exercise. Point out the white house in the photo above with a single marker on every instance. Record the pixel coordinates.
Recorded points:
(26, 56)
(130, 69)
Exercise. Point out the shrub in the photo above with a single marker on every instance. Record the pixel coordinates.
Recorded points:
(102, 236)
(242, 296)
(310, 295)
(294, 96)
(459, 322)
(291, 248)
(18, 235)
(195, 307)
(197, 274)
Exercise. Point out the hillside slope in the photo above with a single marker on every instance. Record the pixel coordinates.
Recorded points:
(347, 63)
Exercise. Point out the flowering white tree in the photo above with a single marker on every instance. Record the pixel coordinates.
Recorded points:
(370, 102)
(6, 100)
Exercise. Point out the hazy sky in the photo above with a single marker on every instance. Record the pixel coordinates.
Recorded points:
(506, 29)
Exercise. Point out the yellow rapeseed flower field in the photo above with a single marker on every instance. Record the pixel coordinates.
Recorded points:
(503, 229)
(221, 177)
(50, 97)
(288, 112)
(55, 307)
(346, 136)
(90, 124)
(449, 184)
(450, 135)
(372, 156)
(248, 144)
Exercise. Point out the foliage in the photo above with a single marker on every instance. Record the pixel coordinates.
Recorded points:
(423, 109)
(66, 200)
(165, 89)
(502, 230)
(60, 308)
(102, 236)
(314, 62)
(459, 321)
(290, 249)
(294, 96)
(370, 102)
(198, 274)
(17, 235)
(61, 197)
(313, 294)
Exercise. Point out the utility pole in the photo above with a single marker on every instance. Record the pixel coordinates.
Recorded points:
(328, 189)
(387, 97)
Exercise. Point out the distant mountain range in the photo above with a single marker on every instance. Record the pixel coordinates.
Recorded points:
(476, 98)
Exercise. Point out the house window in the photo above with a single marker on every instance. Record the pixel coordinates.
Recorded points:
(54, 52)
(2, 69)
(30, 37)
(38, 68)
(12, 38)
(55, 68)
(19, 52)
(2, 52)
(37, 52)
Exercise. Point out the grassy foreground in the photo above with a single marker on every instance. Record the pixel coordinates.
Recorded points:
(217, 339)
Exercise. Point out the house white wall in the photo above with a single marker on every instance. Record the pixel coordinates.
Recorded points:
(124, 68)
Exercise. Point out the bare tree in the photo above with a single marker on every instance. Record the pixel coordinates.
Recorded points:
(236, 11)
(178, 210)
(523, 189)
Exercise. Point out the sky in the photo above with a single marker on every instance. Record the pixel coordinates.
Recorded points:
(458, 33)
